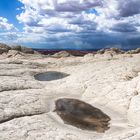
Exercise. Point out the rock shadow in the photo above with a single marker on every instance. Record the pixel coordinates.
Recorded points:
(50, 76)
(82, 115)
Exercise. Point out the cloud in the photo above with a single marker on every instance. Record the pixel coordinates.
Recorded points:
(46, 13)
(69, 15)
(129, 8)
(124, 27)
(84, 21)
(75, 5)
(4, 25)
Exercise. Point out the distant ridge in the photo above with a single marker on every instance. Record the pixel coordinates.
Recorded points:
(80, 52)
(72, 52)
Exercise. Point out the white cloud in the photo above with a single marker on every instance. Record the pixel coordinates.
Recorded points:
(59, 19)
(118, 12)
(57, 15)
(4, 25)
(66, 15)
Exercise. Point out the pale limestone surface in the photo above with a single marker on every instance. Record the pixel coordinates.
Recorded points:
(111, 83)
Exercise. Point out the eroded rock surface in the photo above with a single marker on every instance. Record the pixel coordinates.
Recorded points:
(111, 84)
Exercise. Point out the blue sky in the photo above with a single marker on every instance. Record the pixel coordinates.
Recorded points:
(9, 9)
(70, 24)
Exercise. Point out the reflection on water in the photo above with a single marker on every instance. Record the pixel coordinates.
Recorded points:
(50, 75)
(82, 115)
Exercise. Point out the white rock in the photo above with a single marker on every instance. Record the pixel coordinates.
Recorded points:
(27, 105)
(134, 111)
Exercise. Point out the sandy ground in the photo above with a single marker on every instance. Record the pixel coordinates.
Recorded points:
(110, 83)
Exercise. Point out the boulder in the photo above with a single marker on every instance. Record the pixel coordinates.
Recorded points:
(61, 54)
(17, 48)
(137, 50)
(102, 51)
(4, 48)
(23, 49)
(27, 50)
(111, 51)
(13, 53)
(116, 50)
(134, 51)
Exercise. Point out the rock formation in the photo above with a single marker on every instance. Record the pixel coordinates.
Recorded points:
(61, 54)
(23, 49)
(4, 48)
(111, 51)
(111, 84)
(134, 51)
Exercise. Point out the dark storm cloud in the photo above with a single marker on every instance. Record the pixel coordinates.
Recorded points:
(124, 27)
(83, 24)
(76, 6)
(129, 7)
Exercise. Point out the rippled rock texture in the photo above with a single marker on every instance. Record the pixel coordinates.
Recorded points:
(111, 83)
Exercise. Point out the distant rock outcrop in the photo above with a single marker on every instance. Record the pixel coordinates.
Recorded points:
(61, 54)
(23, 49)
(17, 48)
(27, 50)
(117, 51)
(111, 51)
(134, 51)
(4, 48)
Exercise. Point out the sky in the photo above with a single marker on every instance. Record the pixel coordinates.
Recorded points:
(70, 24)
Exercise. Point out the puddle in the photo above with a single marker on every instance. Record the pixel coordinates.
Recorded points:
(50, 76)
(82, 115)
